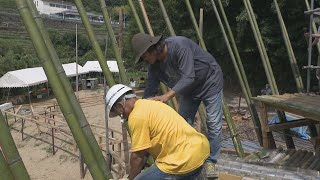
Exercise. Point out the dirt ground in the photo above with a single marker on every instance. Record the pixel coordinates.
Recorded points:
(37, 155)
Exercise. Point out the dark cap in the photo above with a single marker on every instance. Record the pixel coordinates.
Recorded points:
(141, 43)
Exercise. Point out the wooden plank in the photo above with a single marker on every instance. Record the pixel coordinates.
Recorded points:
(226, 176)
(288, 125)
(302, 109)
(267, 137)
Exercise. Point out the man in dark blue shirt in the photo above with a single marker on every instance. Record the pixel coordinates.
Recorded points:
(189, 71)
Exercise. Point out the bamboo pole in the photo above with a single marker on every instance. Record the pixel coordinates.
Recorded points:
(292, 58)
(11, 154)
(4, 168)
(237, 142)
(261, 47)
(136, 16)
(120, 34)
(94, 42)
(68, 89)
(113, 40)
(61, 96)
(166, 18)
(237, 63)
(173, 103)
(267, 66)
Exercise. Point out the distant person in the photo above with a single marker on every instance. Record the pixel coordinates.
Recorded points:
(142, 82)
(267, 90)
(178, 149)
(189, 71)
(315, 42)
(132, 83)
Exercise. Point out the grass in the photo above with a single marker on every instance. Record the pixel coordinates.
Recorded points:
(7, 4)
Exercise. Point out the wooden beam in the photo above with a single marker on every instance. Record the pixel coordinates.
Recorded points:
(289, 124)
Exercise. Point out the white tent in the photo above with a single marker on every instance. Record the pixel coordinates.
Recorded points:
(23, 78)
(34, 76)
(94, 66)
(70, 69)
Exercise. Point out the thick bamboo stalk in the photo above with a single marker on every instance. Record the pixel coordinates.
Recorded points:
(56, 85)
(237, 142)
(11, 154)
(4, 168)
(96, 47)
(173, 103)
(166, 18)
(292, 58)
(68, 89)
(114, 44)
(136, 16)
(262, 49)
(239, 71)
(266, 64)
(195, 24)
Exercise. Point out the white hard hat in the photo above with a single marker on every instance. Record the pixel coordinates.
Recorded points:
(114, 93)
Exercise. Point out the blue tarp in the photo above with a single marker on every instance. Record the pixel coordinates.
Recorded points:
(302, 132)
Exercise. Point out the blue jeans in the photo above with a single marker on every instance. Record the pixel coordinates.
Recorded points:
(188, 109)
(154, 173)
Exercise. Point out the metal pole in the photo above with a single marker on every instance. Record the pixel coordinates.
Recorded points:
(120, 31)
(251, 105)
(310, 48)
(77, 78)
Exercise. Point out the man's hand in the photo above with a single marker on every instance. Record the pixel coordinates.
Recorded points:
(164, 98)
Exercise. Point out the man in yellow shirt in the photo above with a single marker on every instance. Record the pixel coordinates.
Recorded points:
(178, 149)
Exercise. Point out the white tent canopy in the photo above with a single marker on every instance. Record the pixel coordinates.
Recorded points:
(23, 78)
(94, 66)
(70, 69)
(34, 76)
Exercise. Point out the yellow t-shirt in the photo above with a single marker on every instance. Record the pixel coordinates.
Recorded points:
(176, 146)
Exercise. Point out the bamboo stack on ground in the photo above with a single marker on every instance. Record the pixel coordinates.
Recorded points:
(97, 169)
(234, 134)
(11, 163)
